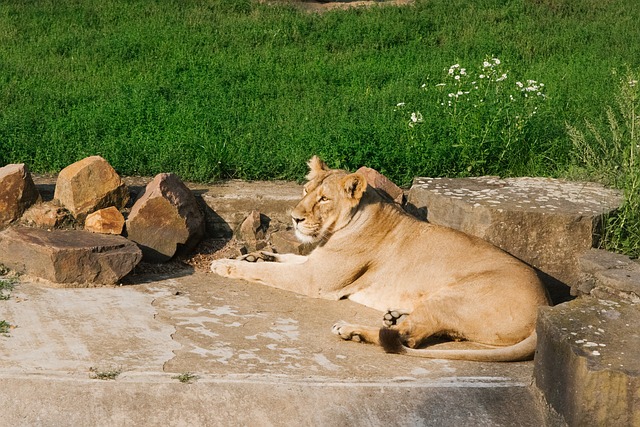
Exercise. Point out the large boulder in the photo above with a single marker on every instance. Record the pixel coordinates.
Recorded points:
(73, 258)
(17, 192)
(547, 223)
(89, 185)
(166, 219)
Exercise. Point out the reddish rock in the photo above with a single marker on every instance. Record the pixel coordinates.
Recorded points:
(105, 221)
(17, 192)
(383, 184)
(89, 185)
(166, 219)
(74, 258)
(47, 215)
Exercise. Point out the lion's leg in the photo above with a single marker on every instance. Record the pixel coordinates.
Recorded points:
(358, 333)
(415, 327)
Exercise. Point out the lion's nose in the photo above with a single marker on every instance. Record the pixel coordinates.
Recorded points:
(297, 219)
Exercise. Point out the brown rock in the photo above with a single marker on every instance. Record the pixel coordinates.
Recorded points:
(545, 222)
(73, 258)
(165, 219)
(383, 184)
(105, 221)
(17, 192)
(285, 241)
(251, 231)
(88, 185)
(47, 215)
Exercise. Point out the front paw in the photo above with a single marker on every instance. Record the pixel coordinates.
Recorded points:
(346, 331)
(260, 256)
(225, 267)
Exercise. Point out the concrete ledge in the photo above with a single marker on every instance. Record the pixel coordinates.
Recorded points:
(223, 402)
(587, 363)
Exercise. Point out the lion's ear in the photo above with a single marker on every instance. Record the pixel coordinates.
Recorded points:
(354, 185)
(316, 168)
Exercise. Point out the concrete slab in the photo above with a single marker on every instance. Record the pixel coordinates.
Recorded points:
(261, 357)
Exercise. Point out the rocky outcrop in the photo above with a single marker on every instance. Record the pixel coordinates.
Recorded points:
(89, 185)
(165, 219)
(106, 221)
(547, 223)
(17, 192)
(68, 257)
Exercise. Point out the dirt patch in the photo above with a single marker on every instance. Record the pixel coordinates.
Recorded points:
(324, 6)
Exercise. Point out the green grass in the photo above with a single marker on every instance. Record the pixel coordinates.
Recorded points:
(186, 377)
(5, 328)
(214, 89)
(104, 374)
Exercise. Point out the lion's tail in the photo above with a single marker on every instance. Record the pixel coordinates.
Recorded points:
(524, 350)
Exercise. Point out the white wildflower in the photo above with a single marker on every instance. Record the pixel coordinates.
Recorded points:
(496, 61)
(486, 64)
(501, 78)
(457, 77)
(482, 76)
(400, 104)
(633, 83)
(519, 84)
(415, 118)
(441, 84)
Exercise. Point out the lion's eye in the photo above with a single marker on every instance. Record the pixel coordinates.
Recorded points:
(323, 198)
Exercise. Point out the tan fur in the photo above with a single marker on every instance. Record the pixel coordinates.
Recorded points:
(429, 280)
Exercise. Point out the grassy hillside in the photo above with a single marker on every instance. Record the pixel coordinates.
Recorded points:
(214, 89)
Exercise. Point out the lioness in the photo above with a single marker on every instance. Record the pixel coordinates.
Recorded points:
(427, 279)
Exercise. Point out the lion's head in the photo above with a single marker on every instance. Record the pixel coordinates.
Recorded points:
(331, 197)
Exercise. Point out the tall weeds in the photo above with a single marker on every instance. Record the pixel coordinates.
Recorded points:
(610, 154)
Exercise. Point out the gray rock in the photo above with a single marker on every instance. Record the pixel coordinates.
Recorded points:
(88, 185)
(72, 258)
(17, 192)
(545, 222)
(587, 363)
(609, 274)
(228, 204)
(166, 219)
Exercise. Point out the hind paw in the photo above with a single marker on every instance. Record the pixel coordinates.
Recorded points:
(346, 331)
(393, 318)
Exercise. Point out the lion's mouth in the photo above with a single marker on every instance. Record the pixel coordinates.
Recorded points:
(304, 234)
